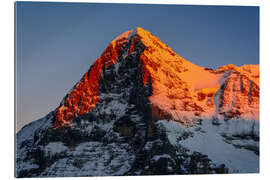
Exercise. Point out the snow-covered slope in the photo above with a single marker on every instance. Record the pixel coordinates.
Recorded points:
(223, 144)
(143, 109)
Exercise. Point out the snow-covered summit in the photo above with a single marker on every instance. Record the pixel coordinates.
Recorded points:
(181, 89)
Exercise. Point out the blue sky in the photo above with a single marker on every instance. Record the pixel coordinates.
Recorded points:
(58, 42)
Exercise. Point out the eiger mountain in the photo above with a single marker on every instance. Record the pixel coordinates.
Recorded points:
(141, 109)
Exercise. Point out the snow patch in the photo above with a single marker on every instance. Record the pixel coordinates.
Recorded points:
(207, 139)
(54, 148)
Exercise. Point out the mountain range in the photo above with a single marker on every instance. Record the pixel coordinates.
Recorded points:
(141, 109)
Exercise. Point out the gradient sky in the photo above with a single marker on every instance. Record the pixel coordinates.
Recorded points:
(58, 42)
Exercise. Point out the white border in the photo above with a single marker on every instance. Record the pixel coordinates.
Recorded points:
(7, 86)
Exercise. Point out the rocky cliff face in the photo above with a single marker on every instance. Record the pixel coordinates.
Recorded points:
(238, 97)
(142, 109)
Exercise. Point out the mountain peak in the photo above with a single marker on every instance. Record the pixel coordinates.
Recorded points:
(142, 32)
(146, 37)
(133, 32)
(179, 87)
(126, 107)
(85, 94)
(137, 42)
